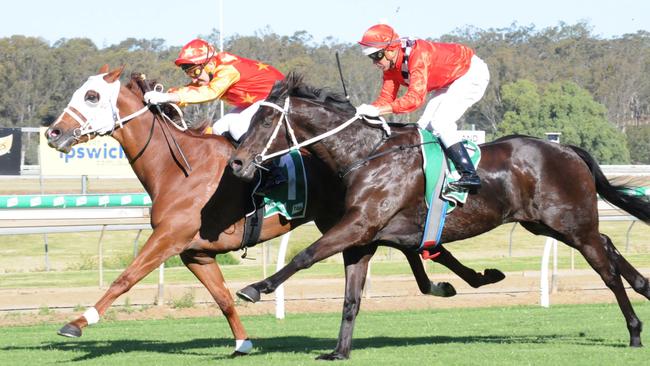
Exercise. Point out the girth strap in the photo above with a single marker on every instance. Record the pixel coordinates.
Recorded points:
(253, 227)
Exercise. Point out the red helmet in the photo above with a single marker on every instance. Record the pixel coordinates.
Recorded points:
(379, 37)
(196, 52)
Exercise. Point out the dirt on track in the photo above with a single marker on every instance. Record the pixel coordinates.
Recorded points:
(386, 293)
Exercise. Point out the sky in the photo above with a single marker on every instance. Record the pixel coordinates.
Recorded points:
(177, 22)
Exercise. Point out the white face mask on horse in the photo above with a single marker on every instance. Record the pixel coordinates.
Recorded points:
(94, 106)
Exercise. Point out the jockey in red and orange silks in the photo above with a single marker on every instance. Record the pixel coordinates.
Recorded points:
(238, 81)
(452, 72)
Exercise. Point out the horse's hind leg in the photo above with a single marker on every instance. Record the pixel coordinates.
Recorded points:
(638, 282)
(356, 268)
(426, 286)
(206, 269)
(595, 252)
(473, 278)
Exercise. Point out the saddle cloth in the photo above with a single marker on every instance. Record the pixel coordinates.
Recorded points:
(440, 198)
(288, 199)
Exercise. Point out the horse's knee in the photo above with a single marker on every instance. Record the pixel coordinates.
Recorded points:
(226, 304)
(303, 260)
(121, 285)
(350, 309)
(641, 285)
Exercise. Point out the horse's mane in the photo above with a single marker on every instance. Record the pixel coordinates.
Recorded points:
(294, 86)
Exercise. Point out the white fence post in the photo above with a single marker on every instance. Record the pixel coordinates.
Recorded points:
(279, 292)
(160, 299)
(543, 287)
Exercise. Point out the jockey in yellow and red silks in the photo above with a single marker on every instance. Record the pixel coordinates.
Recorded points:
(454, 75)
(238, 81)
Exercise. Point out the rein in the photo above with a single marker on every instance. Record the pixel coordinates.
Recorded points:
(158, 87)
(356, 165)
(139, 154)
(284, 117)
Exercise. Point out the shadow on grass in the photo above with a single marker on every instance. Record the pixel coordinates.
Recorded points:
(293, 344)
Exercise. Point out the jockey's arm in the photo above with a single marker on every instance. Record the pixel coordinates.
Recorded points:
(416, 94)
(225, 77)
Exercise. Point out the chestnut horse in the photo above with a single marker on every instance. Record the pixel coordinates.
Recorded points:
(199, 213)
(551, 189)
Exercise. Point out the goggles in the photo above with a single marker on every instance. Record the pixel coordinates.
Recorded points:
(377, 56)
(193, 71)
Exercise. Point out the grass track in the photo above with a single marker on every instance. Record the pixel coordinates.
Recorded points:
(562, 335)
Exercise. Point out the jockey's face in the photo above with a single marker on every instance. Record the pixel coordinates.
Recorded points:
(386, 62)
(198, 74)
(202, 79)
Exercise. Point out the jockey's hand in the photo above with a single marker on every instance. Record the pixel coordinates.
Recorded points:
(368, 110)
(155, 97)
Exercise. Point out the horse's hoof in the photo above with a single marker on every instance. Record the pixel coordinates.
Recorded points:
(69, 330)
(238, 354)
(334, 356)
(493, 275)
(442, 289)
(249, 293)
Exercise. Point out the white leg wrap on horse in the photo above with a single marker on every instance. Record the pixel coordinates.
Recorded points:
(91, 315)
(243, 345)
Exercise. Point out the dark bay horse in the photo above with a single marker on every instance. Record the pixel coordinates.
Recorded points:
(547, 187)
(199, 213)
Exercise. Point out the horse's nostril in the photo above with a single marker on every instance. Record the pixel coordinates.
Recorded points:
(236, 165)
(54, 133)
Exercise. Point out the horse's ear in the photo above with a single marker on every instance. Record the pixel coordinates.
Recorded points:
(103, 69)
(114, 75)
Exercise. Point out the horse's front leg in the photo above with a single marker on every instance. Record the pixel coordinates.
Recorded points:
(356, 268)
(156, 250)
(349, 232)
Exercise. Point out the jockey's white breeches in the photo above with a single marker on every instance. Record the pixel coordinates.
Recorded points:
(450, 103)
(236, 122)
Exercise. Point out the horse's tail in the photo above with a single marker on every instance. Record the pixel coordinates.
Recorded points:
(637, 206)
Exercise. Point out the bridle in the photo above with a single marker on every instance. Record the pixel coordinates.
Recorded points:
(87, 127)
(374, 154)
(284, 117)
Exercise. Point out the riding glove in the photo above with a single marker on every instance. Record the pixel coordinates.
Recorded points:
(368, 110)
(155, 97)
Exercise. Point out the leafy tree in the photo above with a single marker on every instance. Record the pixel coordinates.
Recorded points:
(38, 79)
(638, 142)
(562, 107)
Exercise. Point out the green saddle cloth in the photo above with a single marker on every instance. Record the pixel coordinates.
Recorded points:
(288, 199)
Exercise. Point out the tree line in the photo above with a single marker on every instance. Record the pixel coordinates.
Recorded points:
(595, 91)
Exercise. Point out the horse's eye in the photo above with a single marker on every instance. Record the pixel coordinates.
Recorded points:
(267, 122)
(92, 97)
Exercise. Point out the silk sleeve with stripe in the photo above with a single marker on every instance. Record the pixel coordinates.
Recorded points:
(225, 77)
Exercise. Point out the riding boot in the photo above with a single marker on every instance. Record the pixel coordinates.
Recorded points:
(469, 180)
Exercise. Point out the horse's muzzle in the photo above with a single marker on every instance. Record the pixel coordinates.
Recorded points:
(56, 139)
(242, 171)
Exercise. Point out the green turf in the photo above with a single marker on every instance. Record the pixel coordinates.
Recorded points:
(561, 335)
